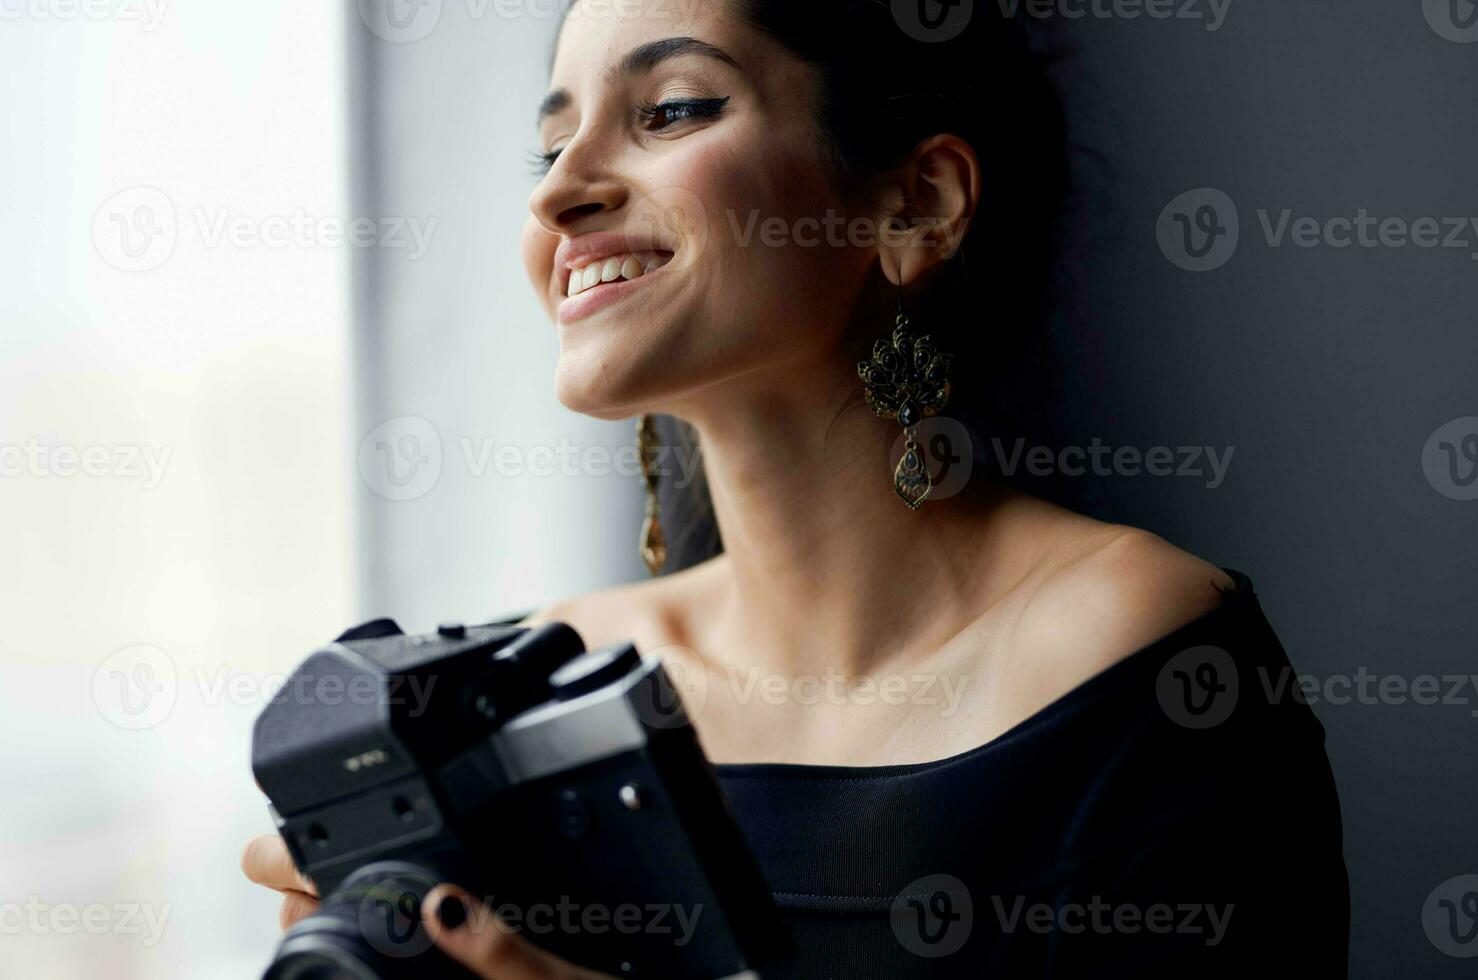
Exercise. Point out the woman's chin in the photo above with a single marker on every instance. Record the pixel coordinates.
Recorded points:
(596, 395)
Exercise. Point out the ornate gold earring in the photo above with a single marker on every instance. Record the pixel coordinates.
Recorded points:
(653, 543)
(907, 380)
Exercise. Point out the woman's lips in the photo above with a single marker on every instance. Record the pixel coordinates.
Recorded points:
(606, 280)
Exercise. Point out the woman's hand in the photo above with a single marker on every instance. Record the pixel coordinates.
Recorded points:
(465, 929)
(266, 862)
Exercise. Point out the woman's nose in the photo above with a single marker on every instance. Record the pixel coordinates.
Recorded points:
(579, 185)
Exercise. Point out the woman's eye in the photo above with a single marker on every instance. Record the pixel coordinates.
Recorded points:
(542, 161)
(664, 115)
(656, 116)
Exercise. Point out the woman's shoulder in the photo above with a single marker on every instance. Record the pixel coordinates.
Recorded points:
(651, 613)
(1107, 592)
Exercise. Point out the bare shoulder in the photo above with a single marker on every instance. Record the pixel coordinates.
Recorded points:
(1117, 592)
(651, 613)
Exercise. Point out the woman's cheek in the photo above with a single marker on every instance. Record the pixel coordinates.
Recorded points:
(538, 246)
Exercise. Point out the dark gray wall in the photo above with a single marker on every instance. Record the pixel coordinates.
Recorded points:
(1325, 370)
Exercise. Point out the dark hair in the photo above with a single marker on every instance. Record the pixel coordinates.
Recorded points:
(885, 86)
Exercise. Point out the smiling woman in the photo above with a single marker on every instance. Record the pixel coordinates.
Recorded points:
(1090, 759)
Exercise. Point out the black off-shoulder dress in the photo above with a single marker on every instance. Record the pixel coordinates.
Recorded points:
(1173, 816)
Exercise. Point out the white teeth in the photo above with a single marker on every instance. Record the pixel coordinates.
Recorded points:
(614, 269)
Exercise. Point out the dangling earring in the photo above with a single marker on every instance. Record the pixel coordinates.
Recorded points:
(653, 543)
(907, 380)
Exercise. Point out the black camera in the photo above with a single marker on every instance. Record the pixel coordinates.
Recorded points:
(564, 787)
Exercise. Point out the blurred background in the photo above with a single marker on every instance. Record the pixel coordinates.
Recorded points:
(269, 366)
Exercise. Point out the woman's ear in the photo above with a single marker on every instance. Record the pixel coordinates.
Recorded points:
(928, 204)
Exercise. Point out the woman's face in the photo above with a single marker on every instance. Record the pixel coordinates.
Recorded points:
(686, 234)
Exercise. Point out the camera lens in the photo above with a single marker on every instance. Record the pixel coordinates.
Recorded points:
(368, 929)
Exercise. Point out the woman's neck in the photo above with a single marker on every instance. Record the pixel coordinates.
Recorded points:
(827, 567)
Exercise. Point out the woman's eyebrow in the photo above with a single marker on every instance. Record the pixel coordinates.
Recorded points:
(639, 60)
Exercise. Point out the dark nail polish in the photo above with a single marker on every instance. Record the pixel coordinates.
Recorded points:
(452, 912)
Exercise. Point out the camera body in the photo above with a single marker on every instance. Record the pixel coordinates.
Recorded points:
(564, 787)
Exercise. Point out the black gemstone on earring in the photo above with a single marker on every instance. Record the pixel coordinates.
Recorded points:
(908, 415)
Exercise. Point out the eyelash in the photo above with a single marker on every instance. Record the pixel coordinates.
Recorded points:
(676, 111)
